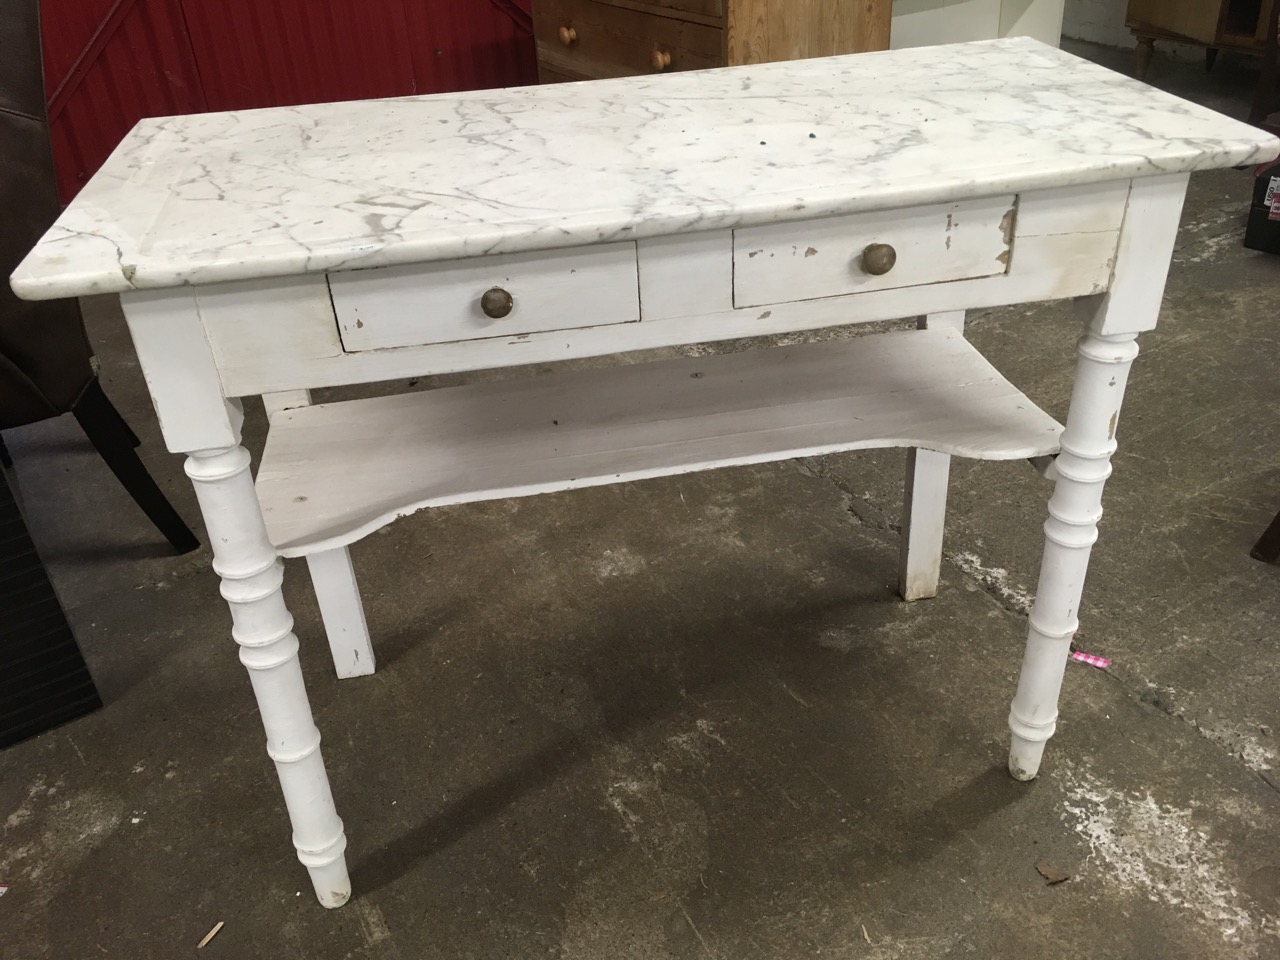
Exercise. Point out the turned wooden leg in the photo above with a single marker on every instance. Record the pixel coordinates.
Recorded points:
(1074, 509)
(334, 579)
(924, 501)
(1142, 57)
(251, 577)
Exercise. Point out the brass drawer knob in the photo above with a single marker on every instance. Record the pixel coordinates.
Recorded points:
(661, 60)
(496, 303)
(878, 259)
(568, 35)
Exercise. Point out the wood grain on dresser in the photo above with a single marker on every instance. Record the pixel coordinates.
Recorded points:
(593, 39)
(696, 11)
(586, 39)
(761, 31)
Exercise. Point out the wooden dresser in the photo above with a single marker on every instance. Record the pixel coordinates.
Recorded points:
(1237, 25)
(592, 39)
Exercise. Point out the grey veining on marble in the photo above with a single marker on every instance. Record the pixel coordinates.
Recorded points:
(230, 196)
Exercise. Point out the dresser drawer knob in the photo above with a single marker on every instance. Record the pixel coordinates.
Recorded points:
(496, 303)
(568, 35)
(878, 259)
(661, 60)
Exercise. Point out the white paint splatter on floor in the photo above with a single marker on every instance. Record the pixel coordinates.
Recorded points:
(1209, 248)
(995, 579)
(1158, 849)
(1243, 740)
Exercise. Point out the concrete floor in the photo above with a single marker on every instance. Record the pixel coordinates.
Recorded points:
(689, 717)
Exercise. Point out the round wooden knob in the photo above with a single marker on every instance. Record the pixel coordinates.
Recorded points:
(496, 303)
(661, 60)
(568, 35)
(878, 259)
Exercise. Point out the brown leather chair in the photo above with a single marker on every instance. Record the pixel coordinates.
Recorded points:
(46, 364)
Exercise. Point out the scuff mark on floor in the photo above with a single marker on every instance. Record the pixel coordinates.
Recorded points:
(618, 795)
(618, 563)
(373, 925)
(708, 729)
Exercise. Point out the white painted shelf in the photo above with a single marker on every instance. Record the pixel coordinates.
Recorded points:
(335, 472)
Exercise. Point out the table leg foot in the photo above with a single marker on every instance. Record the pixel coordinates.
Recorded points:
(329, 876)
(1024, 757)
(252, 575)
(1082, 469)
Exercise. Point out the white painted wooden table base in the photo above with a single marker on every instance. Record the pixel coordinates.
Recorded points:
(273, 252)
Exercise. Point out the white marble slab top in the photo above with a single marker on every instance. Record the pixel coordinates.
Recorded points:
(231, 196)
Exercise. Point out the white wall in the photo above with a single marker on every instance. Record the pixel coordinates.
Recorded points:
(919, 23)
(922, 23)
(1041, 19)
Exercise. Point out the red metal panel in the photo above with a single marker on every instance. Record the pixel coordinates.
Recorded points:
(66, 27)
(468, 45)
(256, 54)
(146, 70)
(112, 62)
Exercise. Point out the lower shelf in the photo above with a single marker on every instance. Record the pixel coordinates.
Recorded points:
(333, 473)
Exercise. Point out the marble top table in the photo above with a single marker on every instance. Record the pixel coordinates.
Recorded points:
(217, 197)
(269, 252)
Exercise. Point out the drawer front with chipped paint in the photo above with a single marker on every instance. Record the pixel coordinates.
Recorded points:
(836, 256)
(510, 295)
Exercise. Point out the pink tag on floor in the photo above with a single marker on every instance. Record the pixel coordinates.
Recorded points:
(1092, 660)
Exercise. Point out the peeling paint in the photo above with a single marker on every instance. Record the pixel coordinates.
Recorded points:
(1007, 224)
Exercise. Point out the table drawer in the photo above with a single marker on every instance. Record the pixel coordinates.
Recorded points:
(835, 256)
(444, 302)
(585, 39)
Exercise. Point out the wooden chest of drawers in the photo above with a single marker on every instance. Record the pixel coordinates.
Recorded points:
(591, 39)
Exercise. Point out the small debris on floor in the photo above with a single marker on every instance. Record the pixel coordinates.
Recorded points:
(210, 935)
(1052, 875)
(4, 888)
(865, 936)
